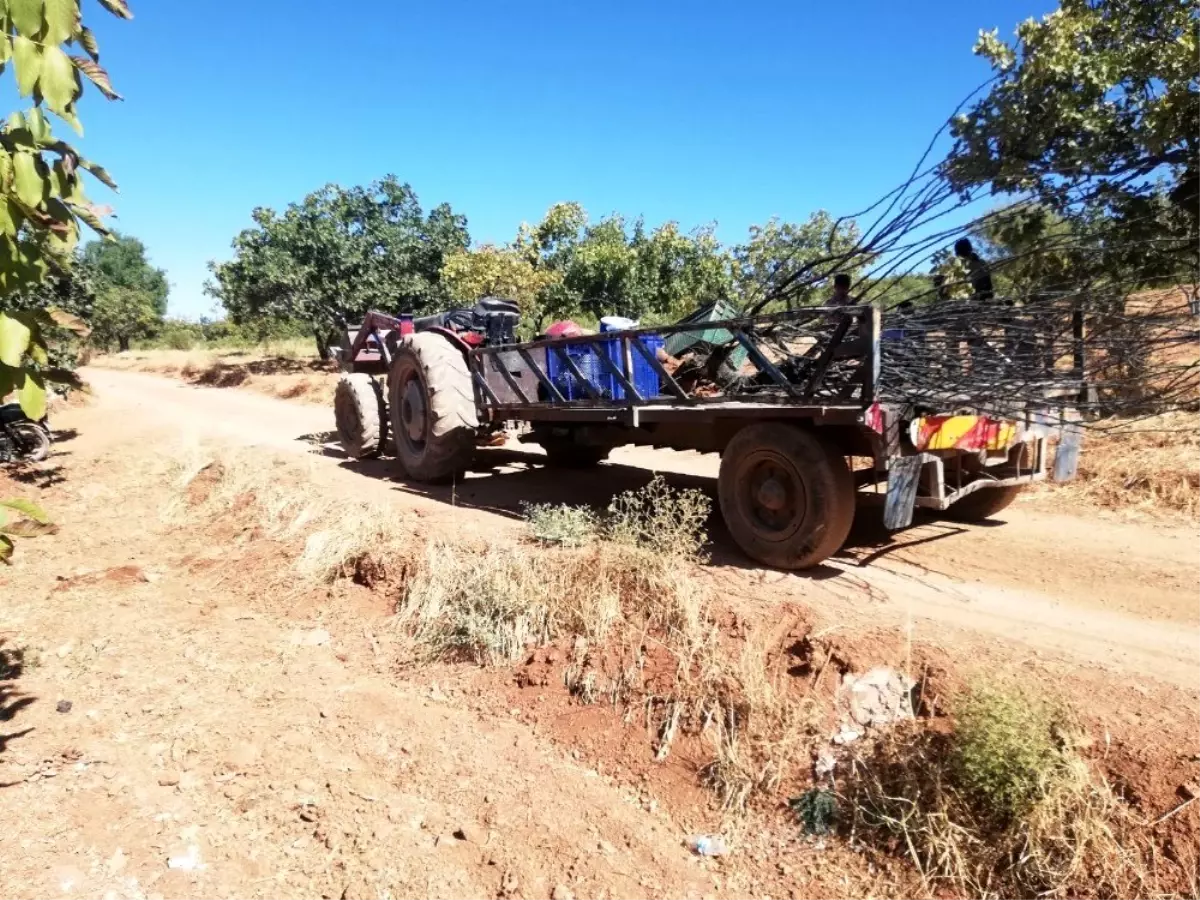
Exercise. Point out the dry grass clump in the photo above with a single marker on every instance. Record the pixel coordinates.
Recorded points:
(1003, 806)
(364, 541)
(491, 602)
(627, 588)
(760, 730)
(1151, 465)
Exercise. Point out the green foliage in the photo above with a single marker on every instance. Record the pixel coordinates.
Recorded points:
(131, 294)
(557, 523)
(779, 250)
(70, 291)
(490, 271)
(816, 810)
(1005, 753)
(25, 359)
(565, 267)
(29, 521)
(339, 253)
(1102, 94)
(42, 196)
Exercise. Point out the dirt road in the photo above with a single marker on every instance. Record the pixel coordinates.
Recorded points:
(181, 719)
(1119, 595)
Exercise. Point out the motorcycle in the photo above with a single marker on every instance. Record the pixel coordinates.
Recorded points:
(21, 438)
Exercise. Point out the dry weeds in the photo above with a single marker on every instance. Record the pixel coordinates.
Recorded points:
(282, 371)
(1003, 806)
(335, 538)
(1148, 465)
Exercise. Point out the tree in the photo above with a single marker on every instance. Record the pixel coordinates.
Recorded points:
(121, 262)
(42, 197)
(1093, 112)
(564, 267)
(793, 261)
(490, 271)
(131, 294)
(339, 253)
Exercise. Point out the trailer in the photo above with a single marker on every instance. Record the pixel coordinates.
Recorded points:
(786, 399)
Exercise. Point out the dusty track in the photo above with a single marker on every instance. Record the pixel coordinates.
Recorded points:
(1118, 595)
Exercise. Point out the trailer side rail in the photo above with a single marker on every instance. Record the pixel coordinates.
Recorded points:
(597, 374)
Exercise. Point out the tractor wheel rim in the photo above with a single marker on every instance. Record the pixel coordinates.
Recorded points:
(773, 495)
(413, 412)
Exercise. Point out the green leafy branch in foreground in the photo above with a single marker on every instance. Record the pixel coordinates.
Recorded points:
(31, 521)
(42, 195)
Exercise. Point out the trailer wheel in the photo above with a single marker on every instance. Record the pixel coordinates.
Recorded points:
(358, 410)
(983, 504)
(787, 495)
(432, 408)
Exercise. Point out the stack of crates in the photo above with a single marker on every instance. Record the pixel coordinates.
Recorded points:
(585, 359)
(645, 378)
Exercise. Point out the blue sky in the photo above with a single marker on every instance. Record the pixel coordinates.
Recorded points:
(694, 112)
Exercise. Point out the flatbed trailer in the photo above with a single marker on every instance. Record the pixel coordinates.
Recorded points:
(786, 399)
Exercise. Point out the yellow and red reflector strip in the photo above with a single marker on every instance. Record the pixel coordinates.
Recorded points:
(962, 433)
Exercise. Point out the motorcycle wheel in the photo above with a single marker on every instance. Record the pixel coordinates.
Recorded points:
(30, 441)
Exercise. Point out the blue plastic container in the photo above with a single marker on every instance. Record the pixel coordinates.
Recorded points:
(645, 378)
(589, 365)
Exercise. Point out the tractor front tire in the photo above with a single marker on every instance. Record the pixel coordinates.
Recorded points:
(432, 406)
(358, 410)
(787, 495)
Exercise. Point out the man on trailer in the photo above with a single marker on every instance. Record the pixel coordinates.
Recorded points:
(841, 291)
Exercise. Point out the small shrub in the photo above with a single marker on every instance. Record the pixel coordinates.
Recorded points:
(567, 526)
(999, 807)
(815, 810)
(660, 519)
(1004, 751)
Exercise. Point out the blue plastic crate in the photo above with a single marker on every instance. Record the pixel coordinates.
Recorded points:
(645, 377)
(589, 365)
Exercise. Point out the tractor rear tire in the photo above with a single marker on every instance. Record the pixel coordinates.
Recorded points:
(787, 495)
(432, 405)
(358, 409)
(983, 504)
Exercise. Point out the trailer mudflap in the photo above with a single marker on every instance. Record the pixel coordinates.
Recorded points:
(1066, 458)
(903, 479)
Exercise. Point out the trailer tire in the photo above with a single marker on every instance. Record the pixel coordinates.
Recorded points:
(432, 408)
(983, 504)
(786, 494)
(360, 415)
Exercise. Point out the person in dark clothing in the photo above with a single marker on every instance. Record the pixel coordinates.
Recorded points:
(841, 291)
(977, 270)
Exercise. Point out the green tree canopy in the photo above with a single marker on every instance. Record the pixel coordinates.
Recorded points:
(131, 294)
(339, 253)
(801, 256)
(1094, 112)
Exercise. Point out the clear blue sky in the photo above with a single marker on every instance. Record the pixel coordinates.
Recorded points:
(693, 112)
